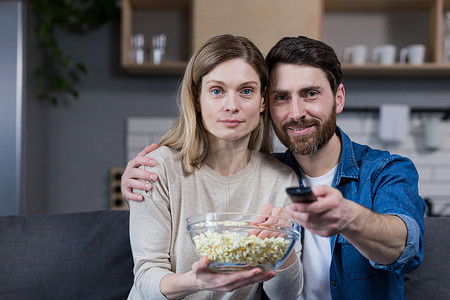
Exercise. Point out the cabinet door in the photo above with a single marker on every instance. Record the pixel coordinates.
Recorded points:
(264, 22)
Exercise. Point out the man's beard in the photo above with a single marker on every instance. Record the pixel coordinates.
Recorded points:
(311, 142)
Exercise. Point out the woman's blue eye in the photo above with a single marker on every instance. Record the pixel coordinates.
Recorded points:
(216, 91)
(247, 91)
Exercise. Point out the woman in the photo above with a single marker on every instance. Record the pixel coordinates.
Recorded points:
(215, 158)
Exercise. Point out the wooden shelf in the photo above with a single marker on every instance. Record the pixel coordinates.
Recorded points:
(377, 5)
(167, 68)
(396, 70)
(160, 4)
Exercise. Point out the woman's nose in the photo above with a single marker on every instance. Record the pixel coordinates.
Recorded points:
(231, 103)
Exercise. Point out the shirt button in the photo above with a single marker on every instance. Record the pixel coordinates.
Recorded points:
(334, 283)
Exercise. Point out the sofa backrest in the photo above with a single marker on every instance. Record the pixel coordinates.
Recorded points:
(66, 256)
(88, 256)
(430, 280)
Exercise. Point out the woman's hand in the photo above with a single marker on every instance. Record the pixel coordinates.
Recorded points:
(200, 278)
(228, 282)
(132, 175)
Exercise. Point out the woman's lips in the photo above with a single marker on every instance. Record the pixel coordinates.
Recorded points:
(231, 122)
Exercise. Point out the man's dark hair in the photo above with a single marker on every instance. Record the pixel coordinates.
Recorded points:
(305, 51)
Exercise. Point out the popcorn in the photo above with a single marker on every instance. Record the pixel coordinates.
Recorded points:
(233, 247)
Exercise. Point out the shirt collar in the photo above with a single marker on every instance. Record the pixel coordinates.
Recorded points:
(348, 166)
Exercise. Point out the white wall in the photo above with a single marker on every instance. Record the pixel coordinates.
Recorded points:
(433, 165)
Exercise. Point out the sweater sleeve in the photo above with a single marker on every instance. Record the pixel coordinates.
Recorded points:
(150, 236)
(288, 283)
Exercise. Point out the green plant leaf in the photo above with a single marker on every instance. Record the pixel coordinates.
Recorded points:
(81, 67)
(58, 73)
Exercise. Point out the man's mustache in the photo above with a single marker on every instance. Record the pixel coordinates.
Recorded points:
(299, 124)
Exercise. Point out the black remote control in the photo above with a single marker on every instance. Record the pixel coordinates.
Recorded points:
(301, 194)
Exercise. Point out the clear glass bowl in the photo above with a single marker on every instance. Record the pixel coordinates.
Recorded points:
(236, 241)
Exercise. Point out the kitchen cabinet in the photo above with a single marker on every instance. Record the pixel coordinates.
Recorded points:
(188, 24)
(153, 17)
(397, 22)
(265, 22)
(340, 23)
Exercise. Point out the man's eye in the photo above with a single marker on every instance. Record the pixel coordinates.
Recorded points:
(280, 97)
(312, 94)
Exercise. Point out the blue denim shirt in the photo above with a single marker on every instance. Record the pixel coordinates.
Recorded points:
(386, 184)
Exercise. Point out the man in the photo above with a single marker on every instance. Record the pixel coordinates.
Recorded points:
(365, 231)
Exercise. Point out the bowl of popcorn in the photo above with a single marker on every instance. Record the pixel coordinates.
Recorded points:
(236, 241)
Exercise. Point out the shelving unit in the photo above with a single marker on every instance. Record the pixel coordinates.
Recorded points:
(189, 23)
(152, 17)
(405, 22)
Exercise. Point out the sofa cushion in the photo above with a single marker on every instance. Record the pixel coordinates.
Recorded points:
(66, 256)
(430, 279)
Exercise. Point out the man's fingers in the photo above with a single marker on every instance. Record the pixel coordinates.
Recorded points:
(141, 174)
(140, 161)
(127, 185)
(266, 210)
(127, 194)
(144, 161)
(322, 190)
(139, 185)
(135, 178)
(127, 189)
(148, 149)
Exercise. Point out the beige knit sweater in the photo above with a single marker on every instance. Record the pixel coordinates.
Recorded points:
(158, 235)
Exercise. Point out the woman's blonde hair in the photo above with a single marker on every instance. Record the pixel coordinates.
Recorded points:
(188, 135)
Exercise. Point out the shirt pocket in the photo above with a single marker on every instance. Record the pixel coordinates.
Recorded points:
(356, 266)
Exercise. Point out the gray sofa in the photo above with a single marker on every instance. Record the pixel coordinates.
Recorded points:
(87, 256)
(431, 279)
(67, 256)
